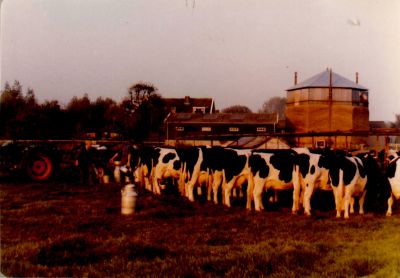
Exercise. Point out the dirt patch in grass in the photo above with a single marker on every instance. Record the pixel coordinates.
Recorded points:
(365, 266)
(146, 251)
(70, 251)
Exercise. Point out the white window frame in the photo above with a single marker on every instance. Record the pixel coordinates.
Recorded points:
(199, 108)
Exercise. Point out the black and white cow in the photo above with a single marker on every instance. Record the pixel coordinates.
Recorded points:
(271, 169)
(191, 173)
(393, 175)
(142, 161)
(310, 176)
(348, 179)
(229, 169)
(154, 165)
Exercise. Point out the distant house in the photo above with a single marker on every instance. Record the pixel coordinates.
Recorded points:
(190, 105)
(218, 129)
(384, 134)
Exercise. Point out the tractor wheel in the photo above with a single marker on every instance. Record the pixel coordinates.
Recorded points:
(39, 167)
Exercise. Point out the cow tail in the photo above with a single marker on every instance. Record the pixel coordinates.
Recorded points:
(208, 179)
(151, 176)
(223, 186)
(182, 182)
(343, 191)
(250, 184)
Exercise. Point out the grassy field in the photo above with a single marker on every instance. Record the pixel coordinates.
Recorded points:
(57, 229)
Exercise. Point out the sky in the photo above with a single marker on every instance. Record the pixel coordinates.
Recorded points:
(238, 52)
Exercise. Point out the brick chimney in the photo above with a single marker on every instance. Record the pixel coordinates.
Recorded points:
(187, 100)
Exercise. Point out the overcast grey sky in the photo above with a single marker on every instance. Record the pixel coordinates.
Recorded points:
(237, 52)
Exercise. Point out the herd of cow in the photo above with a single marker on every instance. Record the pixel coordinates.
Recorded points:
(299, 169)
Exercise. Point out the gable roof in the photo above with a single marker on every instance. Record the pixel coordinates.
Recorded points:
(223, 118)
(321, 80)
(186, 104)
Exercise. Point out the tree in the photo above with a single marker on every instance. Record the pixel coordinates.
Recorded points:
(397, 121)
(236, 109)
(274, 105)
(144, 111)
(17, 112)
(78, 111)
(140, 92)
(53, 121)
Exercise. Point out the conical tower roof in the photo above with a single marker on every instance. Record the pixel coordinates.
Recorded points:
(321, 80)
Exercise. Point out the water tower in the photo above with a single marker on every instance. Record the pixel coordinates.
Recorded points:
(331, 107)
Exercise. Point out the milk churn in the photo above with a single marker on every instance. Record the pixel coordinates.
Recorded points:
(128, 199)
(117, 174)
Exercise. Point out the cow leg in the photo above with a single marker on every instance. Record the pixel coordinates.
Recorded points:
(338, 201)
(248, 197)
(182, 185)
(296, 196)
(348, 200)
(209, 187)
(390, 204)
(216, 184)
(215, 191)
(227, 192)
(296, 190)
(307, 199)
(241, 192)
(351, 204)
(156, 187)
(190, 188)
(361, 203)
(147, 184)
(249, 191)
(234, 192)
(276, 197)
(257, 192)
(209, 192)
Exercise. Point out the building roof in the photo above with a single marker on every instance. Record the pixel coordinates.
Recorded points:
(321, 80)
(380, 124)
(220, 118)
(186, 104)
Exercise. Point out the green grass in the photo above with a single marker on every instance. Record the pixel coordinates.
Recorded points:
(55, 229)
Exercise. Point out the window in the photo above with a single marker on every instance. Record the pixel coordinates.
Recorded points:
(355, 96)
(206, 128)
(304, 94)
(233, 129)
(179, 128)
(261, 129)
(200, 110)
(360, 97)
(320, 144)
(319, 94)
(341, 94)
